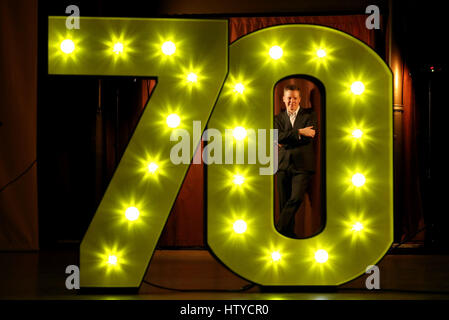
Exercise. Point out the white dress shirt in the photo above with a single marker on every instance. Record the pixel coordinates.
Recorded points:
(292, 117)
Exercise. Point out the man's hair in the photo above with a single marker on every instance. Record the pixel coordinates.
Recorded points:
(292, 87)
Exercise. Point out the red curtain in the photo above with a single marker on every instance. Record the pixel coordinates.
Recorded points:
(185, 226)
(352, 24)
(413, 215)
(409, 216)
(18, 101)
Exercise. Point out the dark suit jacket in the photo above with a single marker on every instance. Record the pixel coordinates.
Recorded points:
(296, 153)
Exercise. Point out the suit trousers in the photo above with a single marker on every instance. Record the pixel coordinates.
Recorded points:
(292, 186)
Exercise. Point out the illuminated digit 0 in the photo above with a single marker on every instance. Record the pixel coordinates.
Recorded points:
(335, 255)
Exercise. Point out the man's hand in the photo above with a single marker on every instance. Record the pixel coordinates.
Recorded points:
(307, 132)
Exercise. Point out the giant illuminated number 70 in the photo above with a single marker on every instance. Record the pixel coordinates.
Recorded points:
(195, 83)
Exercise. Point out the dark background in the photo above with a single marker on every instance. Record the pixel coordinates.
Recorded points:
(70, 186)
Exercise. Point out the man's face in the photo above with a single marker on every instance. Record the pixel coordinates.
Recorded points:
(291, 99)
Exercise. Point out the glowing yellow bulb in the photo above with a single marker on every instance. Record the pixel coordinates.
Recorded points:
(152, 167)
(132, 213)
(173, 120)
(191, 77)
(275, 256)
(276, 52)
(239, 133)
(239, 226)
(357, 88)
(358, 180)
(321, 256)
(321, 53)
(238, 179)
(239, 88)
(112, 260)
(357, 226)
(67, 46)
(357, 133)
(118, 48)
(168, 48)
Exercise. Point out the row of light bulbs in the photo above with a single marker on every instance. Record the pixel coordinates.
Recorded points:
(321, 256)
(168, 48)
(68, 46)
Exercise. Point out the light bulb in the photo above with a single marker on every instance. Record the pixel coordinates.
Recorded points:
(118, 48)
(276, 52)
(239, 133)
(239, 88)
(152, 167)
(132, 213)
(321, 53)
(357, 226)
(67, 46)
(238, 179)
(168, 48)
(275, 256)
(357, 88)
(358, 180)
(240, 226)
(173, 120)
(321, 256)
(357, 133)
(112, 260)
(191, 77)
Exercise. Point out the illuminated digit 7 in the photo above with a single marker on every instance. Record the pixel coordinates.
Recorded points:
(122, 236)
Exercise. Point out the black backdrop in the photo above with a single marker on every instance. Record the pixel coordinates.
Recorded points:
(67, 154)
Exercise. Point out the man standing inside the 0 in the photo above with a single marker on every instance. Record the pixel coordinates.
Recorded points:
(296, 131)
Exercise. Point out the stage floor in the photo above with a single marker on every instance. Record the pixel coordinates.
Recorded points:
(41, 276)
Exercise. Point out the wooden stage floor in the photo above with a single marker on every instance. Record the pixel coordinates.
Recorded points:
(41, 276)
